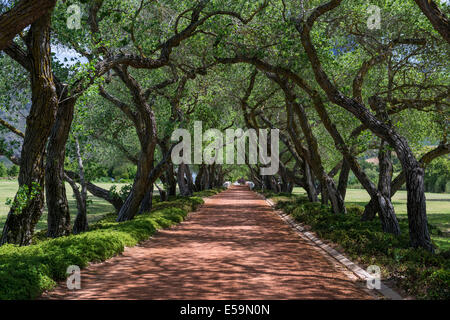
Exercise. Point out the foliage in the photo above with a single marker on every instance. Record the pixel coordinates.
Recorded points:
(437, 175)
(3, 170)
(122, 194)
(13, 171)
(24, 196)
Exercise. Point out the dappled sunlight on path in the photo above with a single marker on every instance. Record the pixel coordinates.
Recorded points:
(233, 247)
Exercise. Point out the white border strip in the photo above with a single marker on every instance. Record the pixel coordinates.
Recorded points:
(357, 270)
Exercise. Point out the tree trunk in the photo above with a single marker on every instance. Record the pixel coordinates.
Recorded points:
(183, 186)
(206, 178)
(171, 181)
(146, 205)
(97, 191)
(219, 177)
(388, 222)
(81, 222)
(212, 176)
(388, 219)
(23, 217)
(190, 182)
(199, 185)
(162, 193)
(169, 176)
(286, 181)
(343, 179)
(437, 18)
(309, 183)
(24, 13)
(267, 183)
(58, 220)
(416, 205)
(142, 183)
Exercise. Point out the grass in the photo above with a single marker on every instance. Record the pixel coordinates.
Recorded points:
(438, 210)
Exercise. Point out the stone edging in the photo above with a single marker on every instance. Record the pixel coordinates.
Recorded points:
(362, 274)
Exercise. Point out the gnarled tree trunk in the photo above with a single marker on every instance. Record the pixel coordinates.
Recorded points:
(24, 13)
(309, 183)
(199, 179)
(58, 220)
(146, 205)
(80, 223)
(388, 222)
(183, 184)
(23, 217)
(343, 179)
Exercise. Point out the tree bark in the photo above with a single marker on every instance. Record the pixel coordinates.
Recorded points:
(436, 17)
(145, 123)
(97, 191)
(343, 179)
(286, 180)
(20, 224)
(58, 220)
(383, 201)
(309, 181)
(162, 193)
(81, 222)
(171, 181)
(146, 205)
(388, 222)
(199, 180)
(190, 182)
(183, 185)
(24, 13)
(141, 184)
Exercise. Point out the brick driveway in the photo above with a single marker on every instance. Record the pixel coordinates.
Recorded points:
(233, 247)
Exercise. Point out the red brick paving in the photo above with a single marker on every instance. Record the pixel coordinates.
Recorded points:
(233, 247)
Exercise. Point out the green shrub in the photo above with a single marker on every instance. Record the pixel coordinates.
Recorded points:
(3, 170)
(439, 285)
(417, 271)
(13, 171)
(208, 193)
(355, 209)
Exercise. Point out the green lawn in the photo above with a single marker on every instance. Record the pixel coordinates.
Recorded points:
(97, 207)
(438, 209)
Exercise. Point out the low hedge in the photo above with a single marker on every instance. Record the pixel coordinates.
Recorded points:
(418, 272)
(25, 272)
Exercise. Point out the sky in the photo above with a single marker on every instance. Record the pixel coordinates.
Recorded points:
(62, 53)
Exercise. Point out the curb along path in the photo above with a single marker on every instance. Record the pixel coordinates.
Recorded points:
(234, 247)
